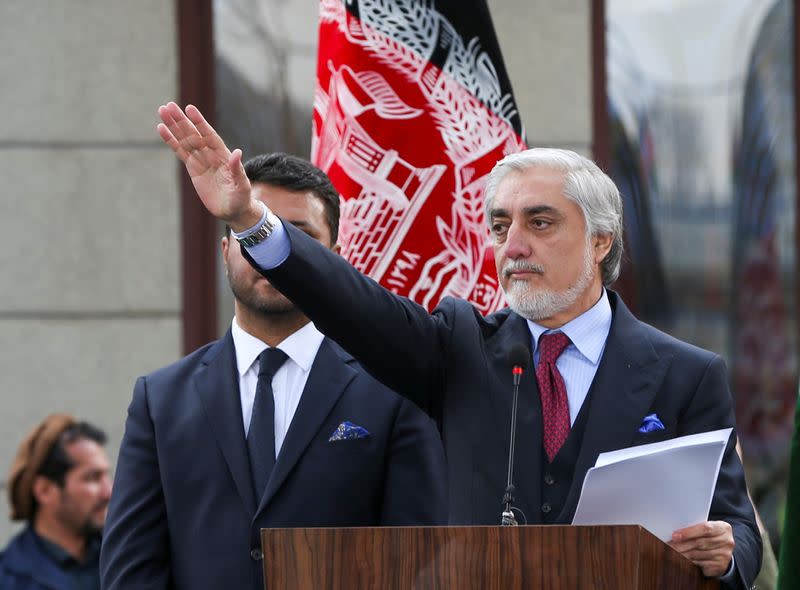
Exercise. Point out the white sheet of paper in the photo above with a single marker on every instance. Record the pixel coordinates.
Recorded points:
(663, 486)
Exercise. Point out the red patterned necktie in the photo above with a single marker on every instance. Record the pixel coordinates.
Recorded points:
(553, 392)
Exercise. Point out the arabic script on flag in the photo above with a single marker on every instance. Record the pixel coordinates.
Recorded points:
(409, 119)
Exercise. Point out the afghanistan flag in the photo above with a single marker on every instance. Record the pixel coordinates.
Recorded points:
(412, 109)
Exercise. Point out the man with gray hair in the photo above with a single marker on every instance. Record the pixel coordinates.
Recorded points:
(603, 379)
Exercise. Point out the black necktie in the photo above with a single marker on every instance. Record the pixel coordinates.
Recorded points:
(261, 434)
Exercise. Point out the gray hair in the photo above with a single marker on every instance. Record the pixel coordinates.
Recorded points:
(588, 186)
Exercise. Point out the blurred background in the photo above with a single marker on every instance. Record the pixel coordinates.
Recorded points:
(113, 270)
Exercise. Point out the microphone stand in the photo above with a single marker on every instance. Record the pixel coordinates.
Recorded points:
(507, 517)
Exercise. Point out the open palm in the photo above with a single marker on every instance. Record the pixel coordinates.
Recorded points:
(216, 172)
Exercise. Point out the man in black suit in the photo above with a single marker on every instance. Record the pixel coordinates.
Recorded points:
(218, 445)
(603, 379)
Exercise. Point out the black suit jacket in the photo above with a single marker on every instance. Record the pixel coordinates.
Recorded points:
(454, 364)
(183, 512)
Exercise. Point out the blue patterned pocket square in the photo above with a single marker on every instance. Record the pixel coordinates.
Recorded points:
(651, 423)
(348, 431)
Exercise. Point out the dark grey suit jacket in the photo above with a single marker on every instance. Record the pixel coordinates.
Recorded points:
(183, 513)
(453, 363)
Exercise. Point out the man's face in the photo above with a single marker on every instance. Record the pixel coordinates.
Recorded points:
(251, 290)
(546, 267)
(83, 501)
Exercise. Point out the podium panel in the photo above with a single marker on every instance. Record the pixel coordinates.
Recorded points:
(475, 557)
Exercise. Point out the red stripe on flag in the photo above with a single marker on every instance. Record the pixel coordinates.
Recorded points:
(409, 146)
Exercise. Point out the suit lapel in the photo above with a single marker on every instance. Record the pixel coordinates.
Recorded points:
(217, 386)
(623, 389)
(330, 374)
(527, 455)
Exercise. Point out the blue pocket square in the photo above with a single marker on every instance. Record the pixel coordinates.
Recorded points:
(651, 423)
(348, 431)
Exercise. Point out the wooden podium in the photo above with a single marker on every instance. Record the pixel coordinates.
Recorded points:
(475, 557)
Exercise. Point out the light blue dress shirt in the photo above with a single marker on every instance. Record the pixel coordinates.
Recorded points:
(272, 251)
(579, 361)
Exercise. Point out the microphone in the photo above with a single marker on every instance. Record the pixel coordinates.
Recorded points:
(519, 357)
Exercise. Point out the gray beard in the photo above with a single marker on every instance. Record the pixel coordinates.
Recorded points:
(540, 305)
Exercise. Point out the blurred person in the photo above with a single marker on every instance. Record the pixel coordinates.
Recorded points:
(59, 483)
(788, 564)
(204, 464)
(603, 379)
(767, 578)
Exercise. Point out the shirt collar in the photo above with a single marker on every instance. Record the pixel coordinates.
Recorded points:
(301, 346)
(588, 332)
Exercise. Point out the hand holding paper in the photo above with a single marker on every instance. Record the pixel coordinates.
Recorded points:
(708, 544)
(665, 487)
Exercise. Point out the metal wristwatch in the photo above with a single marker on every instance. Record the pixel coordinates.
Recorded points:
(262, 231)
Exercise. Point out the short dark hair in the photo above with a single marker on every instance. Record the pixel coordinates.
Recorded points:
(57, 463)
(297, 174)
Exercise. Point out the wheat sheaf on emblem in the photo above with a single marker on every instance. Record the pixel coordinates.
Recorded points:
(471, 113)
(403, 34)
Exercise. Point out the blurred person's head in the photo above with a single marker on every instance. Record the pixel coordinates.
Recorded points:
(60, 481)
(556, 225)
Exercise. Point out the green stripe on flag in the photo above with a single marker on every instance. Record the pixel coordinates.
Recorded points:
(789, 567)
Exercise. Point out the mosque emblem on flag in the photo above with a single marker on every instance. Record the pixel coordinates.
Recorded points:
(409, 119)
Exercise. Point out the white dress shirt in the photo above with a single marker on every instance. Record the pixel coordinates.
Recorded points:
(288, 382)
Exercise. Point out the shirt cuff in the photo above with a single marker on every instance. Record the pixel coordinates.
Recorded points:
(727, 576)
(272, 251)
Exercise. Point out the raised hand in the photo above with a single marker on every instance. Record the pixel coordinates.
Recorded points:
(217, 173)
(708, 544)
